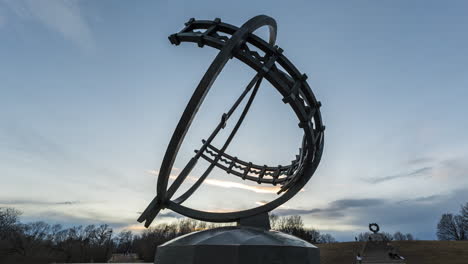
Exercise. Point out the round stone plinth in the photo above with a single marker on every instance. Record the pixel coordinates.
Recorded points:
(237, 245)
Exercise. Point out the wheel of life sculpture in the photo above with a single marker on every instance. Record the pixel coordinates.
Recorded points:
(374, 228)
(288, 81)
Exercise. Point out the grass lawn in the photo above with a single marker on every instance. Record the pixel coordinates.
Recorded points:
(415, 252)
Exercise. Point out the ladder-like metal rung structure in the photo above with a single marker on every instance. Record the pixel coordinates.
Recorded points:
(249, 171)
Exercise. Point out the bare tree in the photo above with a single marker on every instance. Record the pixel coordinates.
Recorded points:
(9, 221)
(273, 221)
(291, 224)
(124, 242)
(409, 237)
(10, 233)
(363, 236)
(460, 227)
(327, 238)
(399, 236)
(294, 225)
(314, 236)
(449, 227)
(186, 226)
(385, 236)
(464, 218)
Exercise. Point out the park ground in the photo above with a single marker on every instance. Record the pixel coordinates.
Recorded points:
(415, 252)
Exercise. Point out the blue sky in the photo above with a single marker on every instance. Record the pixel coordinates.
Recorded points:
(92, 90)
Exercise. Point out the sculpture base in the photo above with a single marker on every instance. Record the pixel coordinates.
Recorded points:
(237, 245)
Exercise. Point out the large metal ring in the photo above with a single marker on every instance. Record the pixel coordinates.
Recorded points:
(289, 82)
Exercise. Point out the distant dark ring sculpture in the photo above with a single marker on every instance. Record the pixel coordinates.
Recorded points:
(374, 228)
(234, 42)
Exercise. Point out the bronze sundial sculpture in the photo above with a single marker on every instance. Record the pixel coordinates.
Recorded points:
(273, 66)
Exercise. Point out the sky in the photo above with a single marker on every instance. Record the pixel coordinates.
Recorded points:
(91, 91)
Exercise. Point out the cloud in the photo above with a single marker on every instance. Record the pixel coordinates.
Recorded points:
(83, 216)
(456, 169)
(334, 209)
(31, 148)
(418, 161)
(171, 214)
(134, 228)
(67, 202)
(64, 17)
(350, 203)
(236, 185)
(226, 184)
(15, 202)
(430, 198)
(292, 211)
(418, 215)
(414, 173)
(77, 217)
(448, 173)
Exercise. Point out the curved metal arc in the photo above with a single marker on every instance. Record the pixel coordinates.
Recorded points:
(231, 29)
(194, 104)
(315, 148)
(201, 91)
(259, 21)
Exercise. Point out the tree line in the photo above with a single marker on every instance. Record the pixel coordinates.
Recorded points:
(40, 242)
(454, 226)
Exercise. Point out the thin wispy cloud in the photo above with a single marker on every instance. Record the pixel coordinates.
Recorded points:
(430, 198)
(64, 17)
(418, 161)
(454, 168)
(415, 173)
(80, 217)
(334, 209)
(26, 146)
(16, 202)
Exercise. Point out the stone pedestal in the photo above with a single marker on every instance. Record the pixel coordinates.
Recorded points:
(237, 245)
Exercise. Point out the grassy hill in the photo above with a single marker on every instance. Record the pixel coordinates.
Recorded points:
(415, 252)
(339, 253)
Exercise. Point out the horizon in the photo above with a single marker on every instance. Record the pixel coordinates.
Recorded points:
(92, 92)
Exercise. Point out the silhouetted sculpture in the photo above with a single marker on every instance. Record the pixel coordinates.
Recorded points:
(252, 235)
(374, 228)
